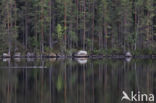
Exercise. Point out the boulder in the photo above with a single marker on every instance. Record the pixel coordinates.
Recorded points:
(30, 59)
(52, 55)
(128, 54)
(6, 55)
(30, 54)
(81, 53)
(18, 54)
(153, 56)
(60, 55)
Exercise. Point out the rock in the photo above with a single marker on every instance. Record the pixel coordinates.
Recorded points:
(128, 54)
(30, 59)
(30, 54)
(153, 56)
(6, 55)
(18, 54)
(52, 55)
(60, 55)
(81, 53)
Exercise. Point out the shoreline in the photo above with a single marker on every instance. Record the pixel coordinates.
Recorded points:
(90, 56)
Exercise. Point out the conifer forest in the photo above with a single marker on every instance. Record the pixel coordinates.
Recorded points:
(64, 26)
(77, 51)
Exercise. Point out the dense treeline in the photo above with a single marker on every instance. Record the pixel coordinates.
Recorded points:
(61, 25)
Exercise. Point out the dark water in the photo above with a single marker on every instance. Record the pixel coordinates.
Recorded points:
(74, 81)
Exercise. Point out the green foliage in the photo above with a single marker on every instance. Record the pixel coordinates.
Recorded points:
(108, 51)
(48, 50)
(33, 42)
(119, 26)
(89, 42)
(69, 52)
(59, 31)
(146, 51)
(73, 36)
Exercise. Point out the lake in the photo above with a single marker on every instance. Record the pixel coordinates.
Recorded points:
(74, 81)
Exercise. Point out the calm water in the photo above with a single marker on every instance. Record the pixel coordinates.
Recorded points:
(74, 81)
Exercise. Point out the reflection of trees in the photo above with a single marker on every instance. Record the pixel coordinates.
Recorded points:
(100, 81)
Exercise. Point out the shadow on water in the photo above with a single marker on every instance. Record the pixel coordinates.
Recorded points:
(74, 81)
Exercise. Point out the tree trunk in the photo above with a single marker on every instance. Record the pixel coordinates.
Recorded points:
(26, 26)
(136, 28)
(84, 25)
(65, 23)
(8, 24)
(42, 29)
(93, 25)
(77, 20)
(50, 24)
(105, 32)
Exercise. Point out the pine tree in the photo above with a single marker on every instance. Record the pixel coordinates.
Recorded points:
(8, 23)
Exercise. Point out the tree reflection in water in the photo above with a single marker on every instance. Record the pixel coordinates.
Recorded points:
(69, 81)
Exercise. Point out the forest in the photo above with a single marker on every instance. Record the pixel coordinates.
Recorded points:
(65, 26)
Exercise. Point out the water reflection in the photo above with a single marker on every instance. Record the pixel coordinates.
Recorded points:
(6, 59)
(128, 59)
(66, 81)
(82, 60)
